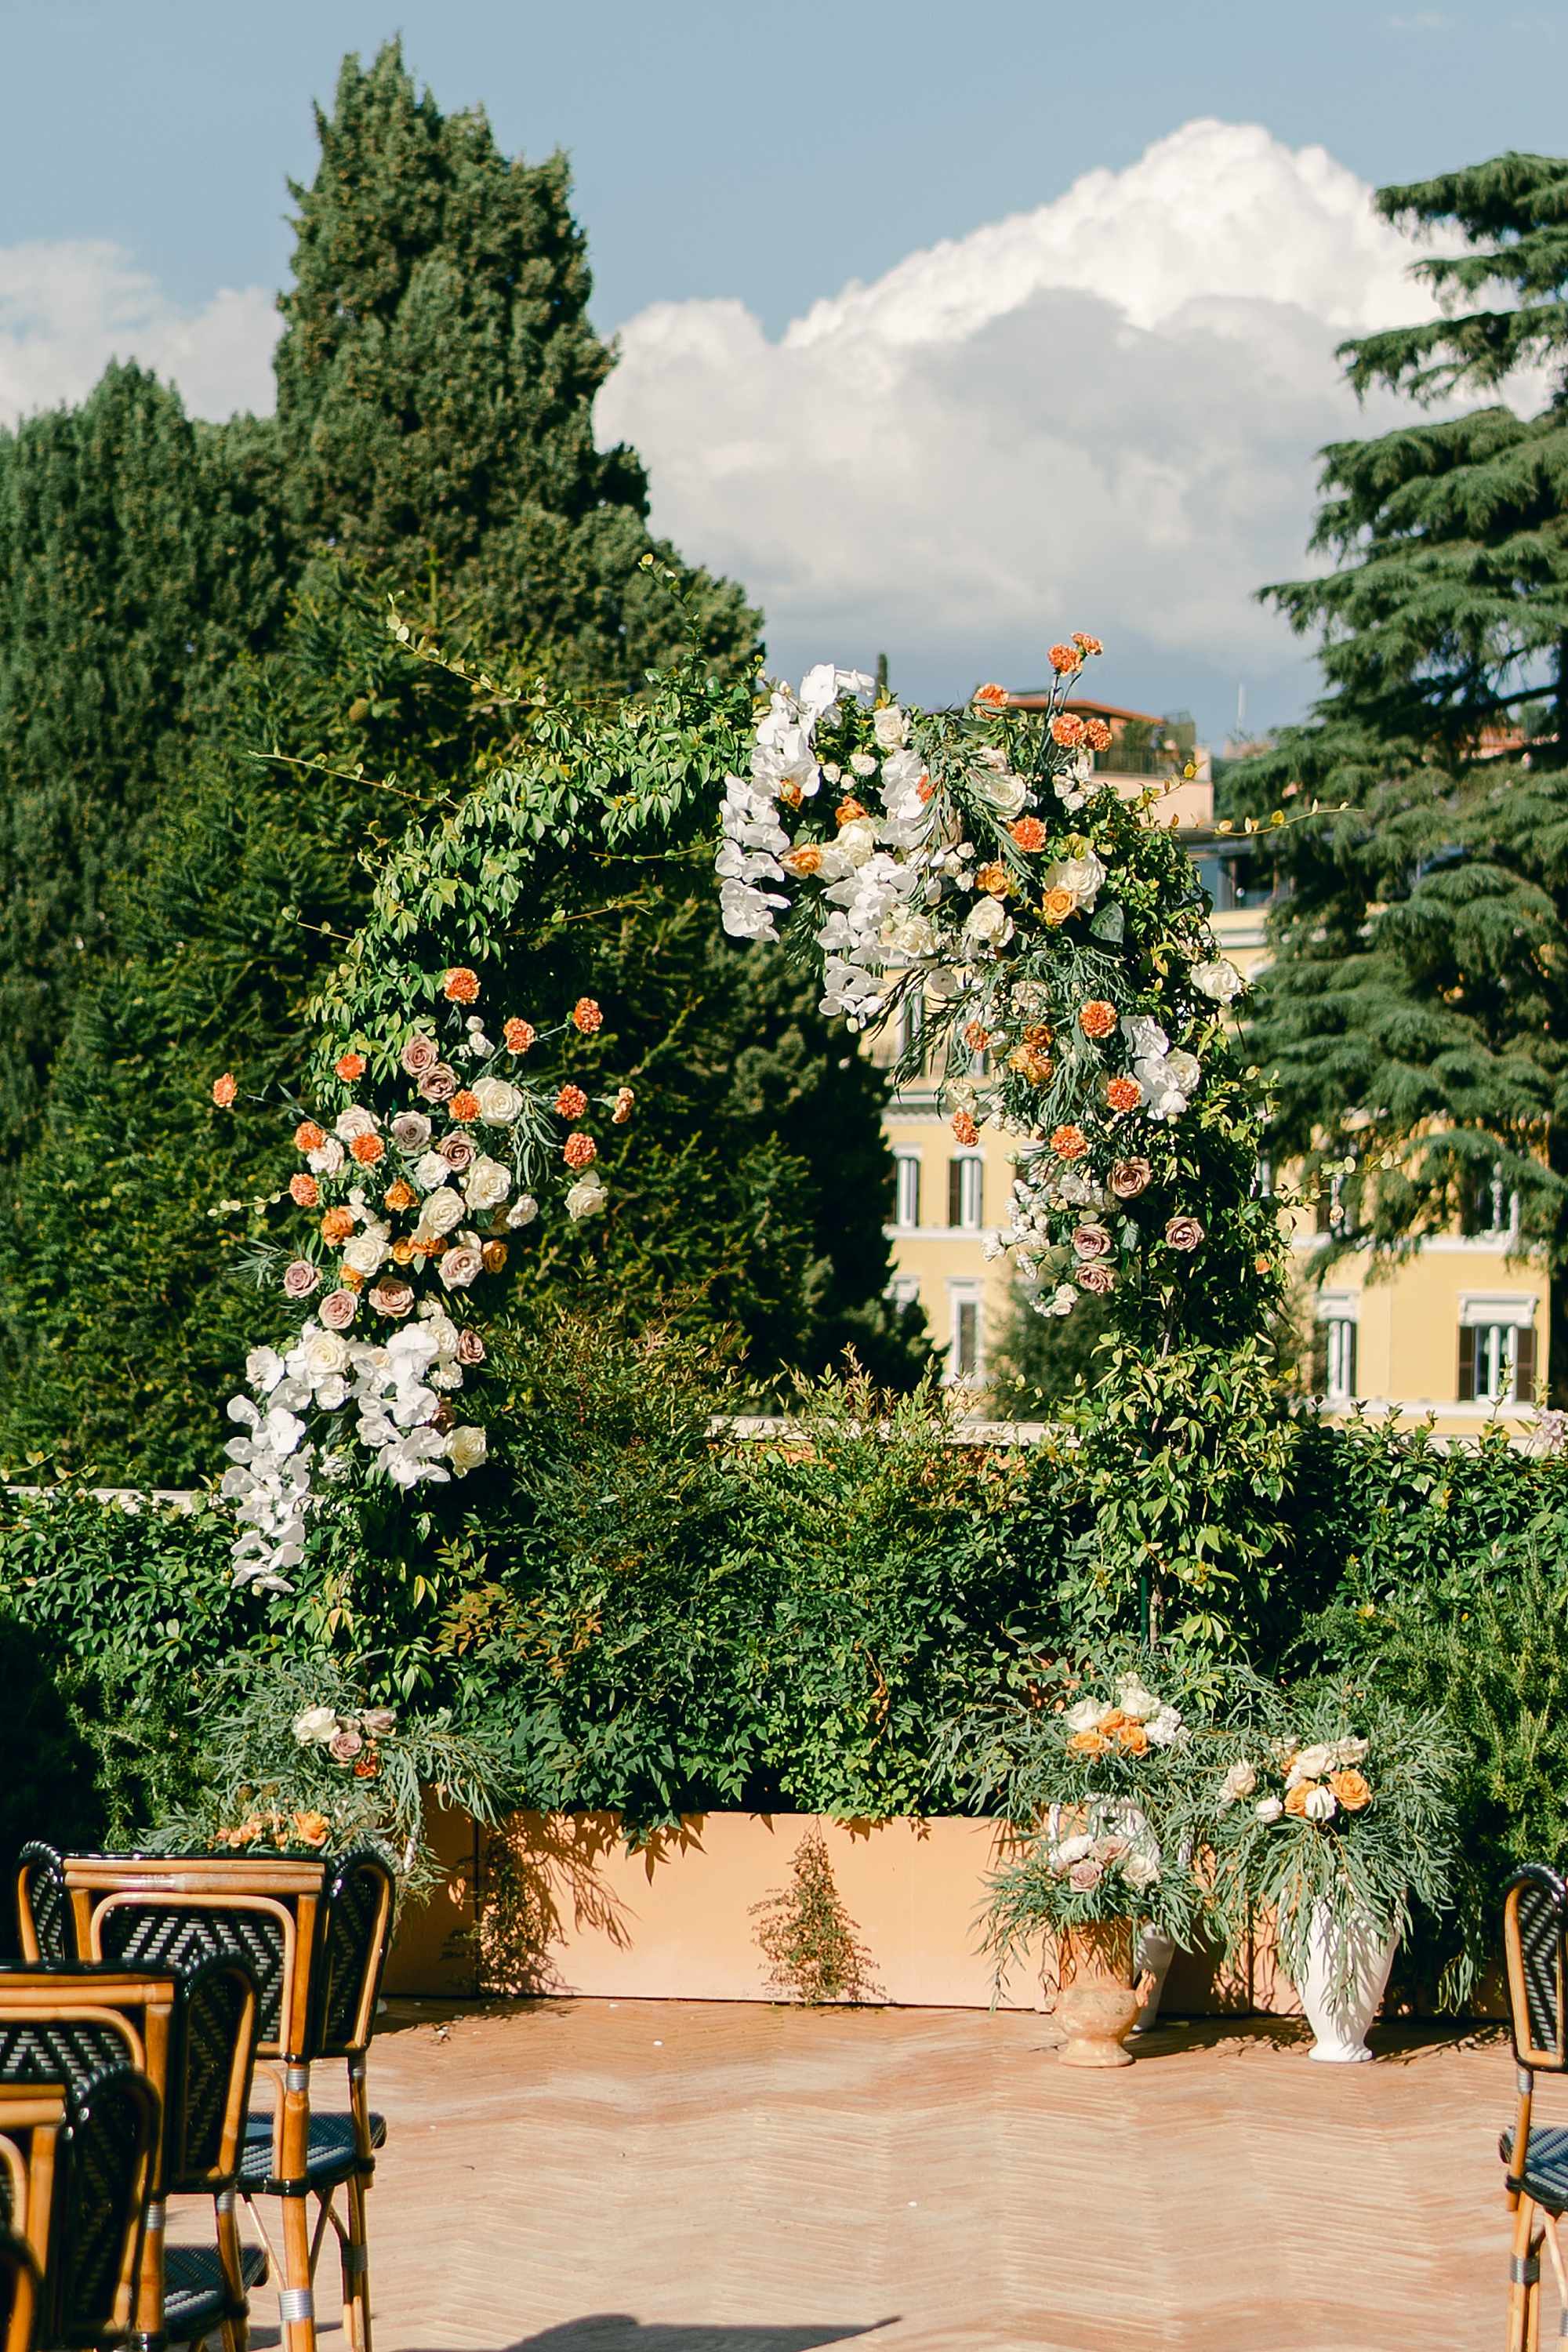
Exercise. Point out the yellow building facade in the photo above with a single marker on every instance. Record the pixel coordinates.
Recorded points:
(1457, 1332)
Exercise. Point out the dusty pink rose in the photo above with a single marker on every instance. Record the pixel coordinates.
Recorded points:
(1083, 1877)
(390, 1297)
(470, 1347)
(459, 1151)
(1097, 1276)
(380, 1721)
(338, 1309)
(1131, 1177)
(439, 1083)
(420, 1056)
(411, 1130)
(460, 1267)
(301, 1278)
(345, 1746)
(1184, 1232)
(1091, 1241)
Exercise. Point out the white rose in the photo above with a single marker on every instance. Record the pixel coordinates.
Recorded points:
(367, 1252)
(317, 1723)
(326, 1353)
(440, 1211)
(355, 1121)
(1268, 1809)
(1219, 980)
(1310, 1764)
(906, 933)
(857, 841)
(1087, 1716)
(988, 923)
(523, 1211)
(1137, 1701)
(487, 1184)
(1140, 1869)
(1005, 792)
(1321, 1804)
(1064, 1298)
(587, 1196)
(887, 727)
(432, 1171)
(499, 1103)
(1184, 1070)
(1239, 1781)
(465, 1449)
(327, 1158)
(860, 764)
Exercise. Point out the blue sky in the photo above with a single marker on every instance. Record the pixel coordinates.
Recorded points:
(764, 157)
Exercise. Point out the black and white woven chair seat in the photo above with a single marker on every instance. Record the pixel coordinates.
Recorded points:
(332, 2155)
(195, 2302)
(1546, 2172)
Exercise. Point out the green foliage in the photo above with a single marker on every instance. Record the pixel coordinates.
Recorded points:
(808, 1937)
(47, 1780)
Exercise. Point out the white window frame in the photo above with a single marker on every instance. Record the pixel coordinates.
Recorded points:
(906, 1195)
(971, 1192)
(965, 1294)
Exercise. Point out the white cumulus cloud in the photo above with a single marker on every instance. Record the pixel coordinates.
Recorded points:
(69, 306)
(1102, 414)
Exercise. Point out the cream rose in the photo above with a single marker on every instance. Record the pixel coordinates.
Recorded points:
(1219, 980)
(366, 1253)
(889, 727)
(500, 1102)
(355, 1121)
(326, 1353)
(587, 1197)
(1268, 1809)
(461, 1266)
(440, 1213)
(1238, 1782)
(433, 1169)
(465, 1449)
(327, 1158)
(988, 923)
(317, 1723)
(486, 1184)
(523, 1211)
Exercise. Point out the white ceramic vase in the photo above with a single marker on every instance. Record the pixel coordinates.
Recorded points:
(1340, 2022)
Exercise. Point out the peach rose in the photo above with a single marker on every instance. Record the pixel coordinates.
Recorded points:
(849, 812)
(1059, 904)
(401, 1195)
(1352, 1791)
(1088, 1743)
(802, 861)
(225, 1090)
(519, 1036)
(1133, 1738)
(461, 986)
(304, 1192)
(337, 1225)
(1296, 1798)
(312, 1829)
(994, 878)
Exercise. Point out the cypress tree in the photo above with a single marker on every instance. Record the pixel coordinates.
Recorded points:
(1417, 1008)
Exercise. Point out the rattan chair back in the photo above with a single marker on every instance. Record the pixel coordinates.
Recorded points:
(45, 1928)
(32, 2125)
(91, 2265)
(355, 1944)
(1535, 1947)
(19, 2284)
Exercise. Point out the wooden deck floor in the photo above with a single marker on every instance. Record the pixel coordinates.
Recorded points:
(643, 2177)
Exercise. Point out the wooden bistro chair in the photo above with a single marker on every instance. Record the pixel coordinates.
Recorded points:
(77, 2160)
(316, 1936)
(192, 2033)
(1535, 1946)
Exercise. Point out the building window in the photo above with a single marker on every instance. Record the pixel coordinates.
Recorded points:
(1487, 1205)
(965, 1353)
(1497, 1363)
(1335, 1347)
(966, 1183)
(909, 1188)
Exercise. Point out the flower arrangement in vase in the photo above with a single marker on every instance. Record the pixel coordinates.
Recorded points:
(1328, 1825)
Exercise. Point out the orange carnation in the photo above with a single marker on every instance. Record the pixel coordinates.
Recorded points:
(401, 1195)
(461, 986)
(1097, 734)
(1296, 1798)
(586, 1016)
(1123, 1094)
(1029, 833)
(976, 1038)
(1065, 659)
(225, 1090)
(304, 1192)
(519, 1036)
(368, 1150)
(308, 1136)
(337, 1224)
(963, 1126)
(580, 1150)
(992, 877)
(1059, 904)
(1070, 1142)
(350, 1067)
(465, 1105)
(1085, 645)
(990, 697)
(570, 1102)
(1352, 1791)
(623, 1110)
(1067, 730)
(1097, 1018)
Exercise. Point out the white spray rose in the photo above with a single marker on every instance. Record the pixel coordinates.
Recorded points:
(1268, 1809)
(1239, 1781)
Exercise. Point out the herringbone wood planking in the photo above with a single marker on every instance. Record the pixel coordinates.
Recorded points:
(770, 2180)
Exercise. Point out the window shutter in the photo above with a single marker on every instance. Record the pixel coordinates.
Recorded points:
(1524, 1364)
(1467, 1364)
(1320, 1358)
(1348, 1334)
(955, 1191)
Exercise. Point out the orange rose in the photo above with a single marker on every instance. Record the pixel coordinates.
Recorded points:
(990, 697)
(1065, 659)
(308, 1136)
(402, 1251)
(304, 1192)
(461, 986)
(1133, 1738)
(312, 1829)
(1096, 1019)
(848, 811)
(337, 1225)
(1059, 904)
(992, 877)
(1029, 833)
(1296, 1798)
(401, 1195)
(1088, 1743)
(963, 1126)
(1039, 1034)
(586, 1016)
(368, 1150)
(1123, 1094)
(350, 1279)
(465, 1105)
(1352, 1791)
(519, 1036)
(802, 861)
(350, 1067)
(225, 1090)
(1070, 1142)
(1031, 1063)
(1112, 1719)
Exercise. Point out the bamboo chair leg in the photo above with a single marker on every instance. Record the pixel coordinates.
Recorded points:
(357, 2268)
(1523, 2281)
(1554, 2249)
(237, 2327)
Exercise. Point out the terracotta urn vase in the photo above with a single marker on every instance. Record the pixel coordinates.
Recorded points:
(1098, 2004)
